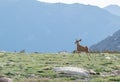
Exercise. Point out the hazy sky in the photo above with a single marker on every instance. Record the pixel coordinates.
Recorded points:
(100, 3)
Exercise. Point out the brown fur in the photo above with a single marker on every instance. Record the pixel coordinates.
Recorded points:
(81, 48)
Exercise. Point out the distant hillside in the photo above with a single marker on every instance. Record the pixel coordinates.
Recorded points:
(114, 9)
(111, 43)
(47, 27)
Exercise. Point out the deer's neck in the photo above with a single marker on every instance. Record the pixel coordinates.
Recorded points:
(78, 44)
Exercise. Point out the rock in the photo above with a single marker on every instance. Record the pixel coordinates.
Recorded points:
(10, 63)
(72, 71)
(112, 73)
(92, 72)
(115, 72)
(62, 52)
(1, 66)
(31, 75)
(108, 58)
(5, 79)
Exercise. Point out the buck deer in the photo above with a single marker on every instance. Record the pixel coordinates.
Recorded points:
(81, 48)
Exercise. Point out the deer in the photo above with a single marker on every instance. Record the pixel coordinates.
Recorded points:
(81, 48)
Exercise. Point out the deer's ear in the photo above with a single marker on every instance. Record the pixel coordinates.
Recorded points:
(80, 40)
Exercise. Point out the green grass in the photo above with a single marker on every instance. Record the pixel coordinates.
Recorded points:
(22, 67)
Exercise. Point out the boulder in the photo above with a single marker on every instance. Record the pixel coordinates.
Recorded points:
(73, 71)
(5, 79)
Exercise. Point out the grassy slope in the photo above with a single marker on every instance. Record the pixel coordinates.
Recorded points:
(24, 67)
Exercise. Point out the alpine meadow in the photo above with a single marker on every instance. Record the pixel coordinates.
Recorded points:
(59, 42)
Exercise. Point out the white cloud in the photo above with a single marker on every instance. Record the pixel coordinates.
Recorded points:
(100, 3)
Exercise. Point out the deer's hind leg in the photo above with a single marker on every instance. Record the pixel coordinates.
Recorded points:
(88, 55)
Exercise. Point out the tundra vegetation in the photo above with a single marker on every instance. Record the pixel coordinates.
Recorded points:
(38, 67)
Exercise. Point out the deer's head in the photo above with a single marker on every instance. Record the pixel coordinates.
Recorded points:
(77, 41)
